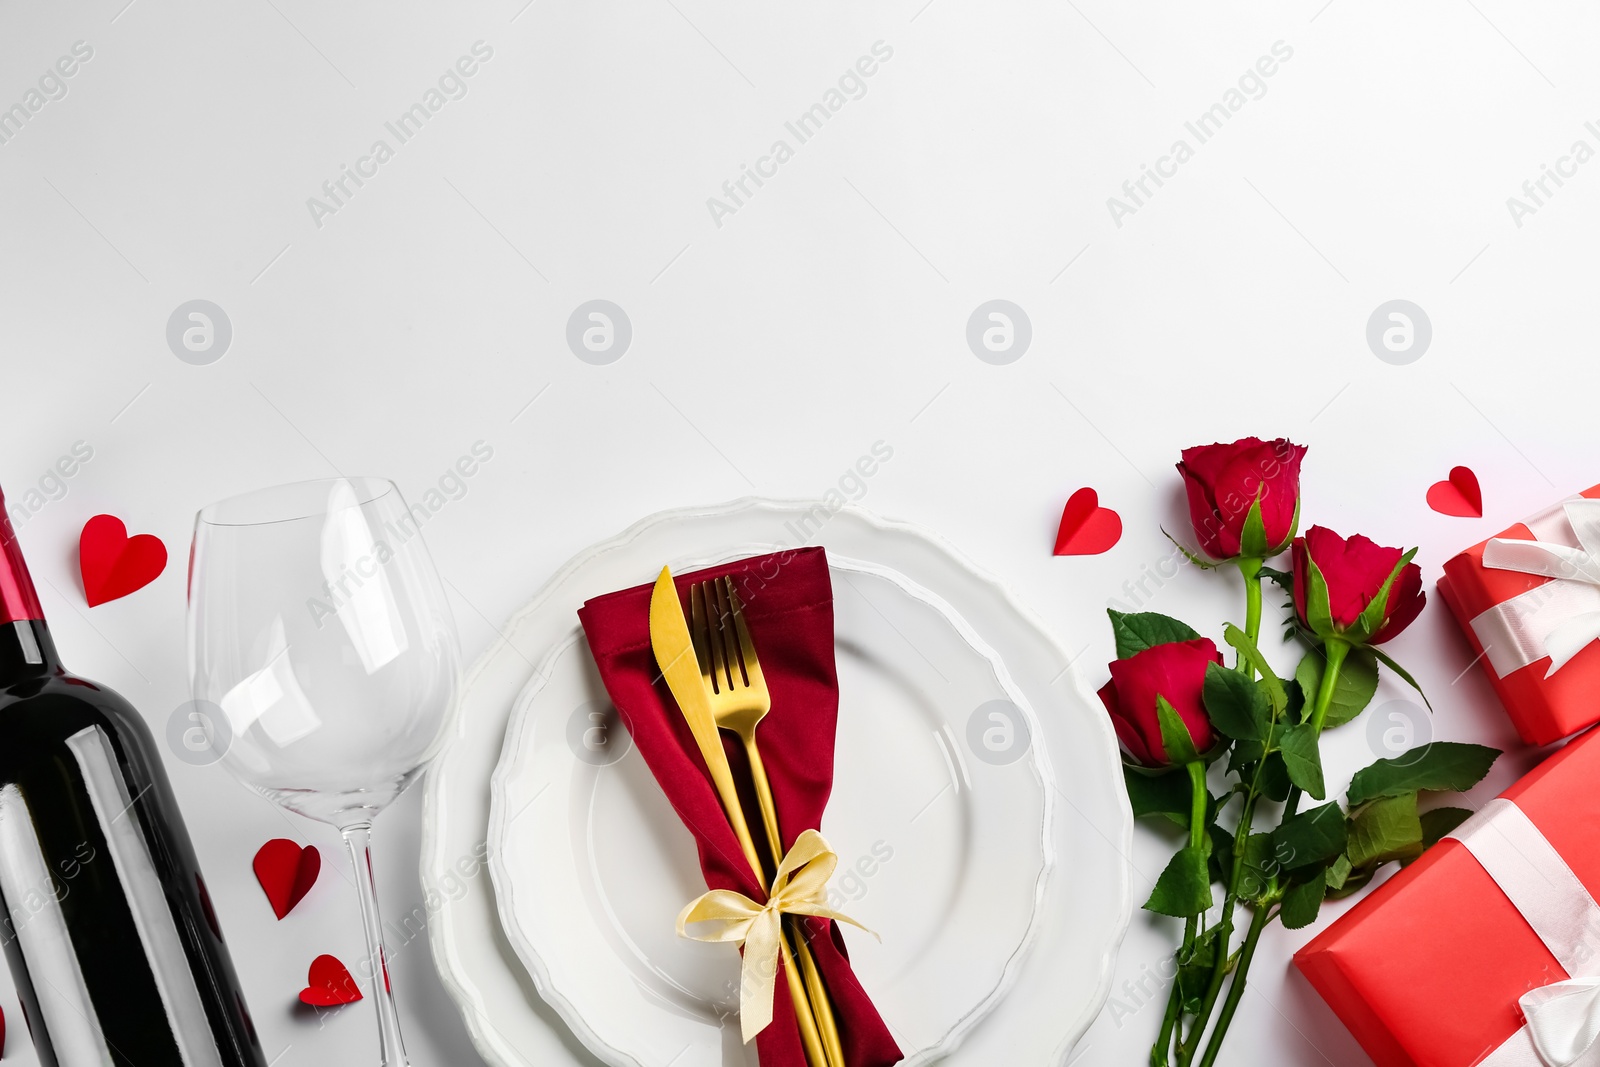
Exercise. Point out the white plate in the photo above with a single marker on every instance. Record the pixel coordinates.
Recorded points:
(1059, 987)
(940, 817)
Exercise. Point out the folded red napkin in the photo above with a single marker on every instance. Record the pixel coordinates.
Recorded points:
(788, 605)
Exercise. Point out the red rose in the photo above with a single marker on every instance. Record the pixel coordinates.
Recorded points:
(1225, 481)
(1351, 573)
(1176, 671)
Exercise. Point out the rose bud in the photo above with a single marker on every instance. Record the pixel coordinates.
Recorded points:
(1177, 673)
(1354, 590)
(1244, 498)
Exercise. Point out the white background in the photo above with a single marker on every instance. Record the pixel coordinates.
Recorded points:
(771, 351)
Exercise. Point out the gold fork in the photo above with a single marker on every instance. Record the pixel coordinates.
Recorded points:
(739, 701)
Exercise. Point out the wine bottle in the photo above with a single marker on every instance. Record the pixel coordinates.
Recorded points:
(108, 929)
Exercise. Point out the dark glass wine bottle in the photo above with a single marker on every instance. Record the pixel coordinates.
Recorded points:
(112, 941)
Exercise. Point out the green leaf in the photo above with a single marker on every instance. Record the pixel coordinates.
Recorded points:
(1302, 759)
(1303, 900)
(1138, 631)
(1354, 884)
(1237, 706)
(1176, 740)
(1388, 661)
(1184, 888)
(1371, 619)
(1221, 861)
(1282, 579)
(1338, 872)
(1260, 873)
(1243, 753)
(1194, 971)
(1442, 765)
(1319, 612)
(1158, 794)
(1440, 822)
(1386, 829)
(1295, 711)
(1275, 778)
(1313, 836)
(1253, 534)
(1352, 690)
(1240, 640)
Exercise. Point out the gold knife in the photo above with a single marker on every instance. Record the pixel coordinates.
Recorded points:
(674, 652)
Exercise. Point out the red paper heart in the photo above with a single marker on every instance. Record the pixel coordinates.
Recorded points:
(114, 564)
(329, 983)
(286, 873)
(1087, 529)
(1457, 495)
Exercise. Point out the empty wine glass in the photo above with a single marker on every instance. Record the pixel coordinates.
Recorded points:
(324, 663)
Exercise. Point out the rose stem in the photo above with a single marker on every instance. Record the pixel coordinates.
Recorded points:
(1250, 570)
(1336, 651)
(1258, 923)
(1200, 797)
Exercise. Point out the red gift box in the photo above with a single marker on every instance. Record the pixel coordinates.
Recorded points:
(1428, 969)
(1543, 708)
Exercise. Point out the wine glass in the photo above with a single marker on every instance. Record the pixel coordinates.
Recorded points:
(324, 660)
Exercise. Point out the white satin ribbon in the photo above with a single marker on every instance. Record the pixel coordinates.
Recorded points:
(1568, 1015)
(1563, 1018)
(1559, 618)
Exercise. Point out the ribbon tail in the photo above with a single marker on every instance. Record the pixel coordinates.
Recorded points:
(1564, 1022)
(1584, 517)
(823, 912)
(758, 975)
(1561, 562)
(1570, 638)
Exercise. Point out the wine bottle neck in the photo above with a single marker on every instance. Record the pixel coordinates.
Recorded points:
(26, 650)
(25, 644)
(18, 601)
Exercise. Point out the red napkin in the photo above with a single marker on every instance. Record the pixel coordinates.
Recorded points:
(788, 605)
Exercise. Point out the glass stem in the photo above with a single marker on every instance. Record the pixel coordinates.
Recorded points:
(391, 1050)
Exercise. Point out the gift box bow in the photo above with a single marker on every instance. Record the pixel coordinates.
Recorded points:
(1562, 1018)
(1558, 618)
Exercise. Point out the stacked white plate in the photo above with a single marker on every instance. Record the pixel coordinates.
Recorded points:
(977, 812)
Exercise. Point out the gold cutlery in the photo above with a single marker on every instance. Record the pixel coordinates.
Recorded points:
(739, 701)
(675, 655)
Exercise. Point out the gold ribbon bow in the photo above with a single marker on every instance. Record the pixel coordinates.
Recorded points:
(799, 888)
